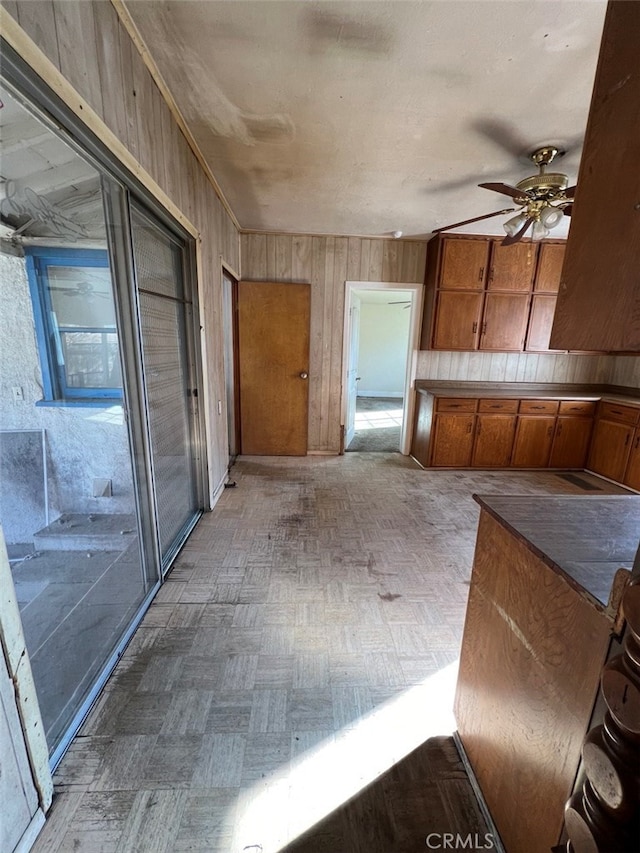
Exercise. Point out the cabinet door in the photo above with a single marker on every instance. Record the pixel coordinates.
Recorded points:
(457, 320)
(540, 322)
(632, 474)
(610, 449)
(532, 446)
(571, 442)
(512, 267)
(493, 441)
(504, 321)
(549, 267)
(464, 264)
(453, 441)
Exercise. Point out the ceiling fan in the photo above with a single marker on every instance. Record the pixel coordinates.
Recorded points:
(542, 200)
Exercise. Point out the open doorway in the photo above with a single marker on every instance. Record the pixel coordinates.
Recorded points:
(380, 350)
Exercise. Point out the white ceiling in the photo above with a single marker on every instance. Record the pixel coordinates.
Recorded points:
(375, 116)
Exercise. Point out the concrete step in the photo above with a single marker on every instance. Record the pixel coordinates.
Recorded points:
(87, 532)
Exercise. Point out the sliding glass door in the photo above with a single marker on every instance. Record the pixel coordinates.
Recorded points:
(166, 323)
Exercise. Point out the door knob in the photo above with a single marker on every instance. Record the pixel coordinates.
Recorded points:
(304, 375)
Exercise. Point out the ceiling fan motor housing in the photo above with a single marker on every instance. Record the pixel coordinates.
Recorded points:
(545, 186)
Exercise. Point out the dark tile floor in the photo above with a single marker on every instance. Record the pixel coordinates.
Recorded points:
(302, 651)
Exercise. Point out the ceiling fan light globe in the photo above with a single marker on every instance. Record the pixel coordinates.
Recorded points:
(511, 226)
(539, 231)
(551, 216)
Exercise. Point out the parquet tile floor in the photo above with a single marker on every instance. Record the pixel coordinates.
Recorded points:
(290, 687)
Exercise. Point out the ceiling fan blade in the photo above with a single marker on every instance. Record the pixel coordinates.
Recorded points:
(570, 191)
(505, 189)
(510, 239)
(474, 219)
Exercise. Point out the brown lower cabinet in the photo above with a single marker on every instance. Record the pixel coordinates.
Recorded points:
(571, 442)
(632, 474)
(453, 441)
(500, 432)
(610, 449)
(532, 445)
(493, 441)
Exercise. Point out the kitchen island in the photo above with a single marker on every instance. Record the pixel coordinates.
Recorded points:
(547, 580)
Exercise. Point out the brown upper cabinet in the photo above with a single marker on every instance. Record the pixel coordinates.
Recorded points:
(481, 295)
(599, 299)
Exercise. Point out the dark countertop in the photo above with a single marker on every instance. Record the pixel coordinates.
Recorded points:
(586, 538)
(524, 390)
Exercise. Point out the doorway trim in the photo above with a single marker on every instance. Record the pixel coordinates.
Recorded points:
(408, 407)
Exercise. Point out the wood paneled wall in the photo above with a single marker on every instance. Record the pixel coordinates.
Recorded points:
(326, 263)
(89, 46)
(514, 367)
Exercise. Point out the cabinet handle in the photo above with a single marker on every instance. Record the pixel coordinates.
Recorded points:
(469, 427)
(550, 431)
(478, 429)
(537, 407)
(559, 427)
(481, 274)
(626, 441)
(484, 328)
(616, 412)
(475, 327)
(637, 444)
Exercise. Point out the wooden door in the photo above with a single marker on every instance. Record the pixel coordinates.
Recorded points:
(493, 441)
(457, 320)
(571, 442)
(453, 441)
(273, 345)
(610, 449)
(512, 267)
(532, 446)
(464, 264)
(540, 322)
(549, 267)
(504, 322)
(632, 474)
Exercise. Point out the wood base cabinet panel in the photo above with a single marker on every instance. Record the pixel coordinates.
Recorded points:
(610, 449)
(493, 441)
(534, 437)
(632, 474)
(453, 441)
(525, 693)
(571, 442)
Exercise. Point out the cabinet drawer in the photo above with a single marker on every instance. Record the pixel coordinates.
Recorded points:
(577, 407)
(622, 414)
(509, 407)
(538, 407)
(455, 404)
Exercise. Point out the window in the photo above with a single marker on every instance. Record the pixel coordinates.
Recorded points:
(75, 324)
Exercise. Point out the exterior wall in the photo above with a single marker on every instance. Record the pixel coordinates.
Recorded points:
(89, 46)
(326, 263)
(83, 443)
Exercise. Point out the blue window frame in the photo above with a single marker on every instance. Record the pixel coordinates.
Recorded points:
(75, 322)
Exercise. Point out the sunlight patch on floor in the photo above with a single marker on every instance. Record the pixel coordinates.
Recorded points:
(381, 419)
(276, 811)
